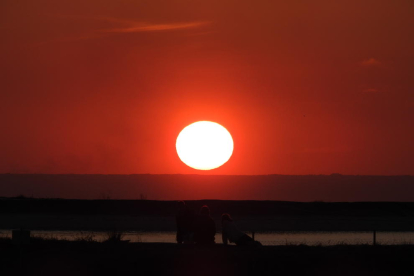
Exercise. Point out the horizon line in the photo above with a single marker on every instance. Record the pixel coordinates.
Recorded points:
(195, 174)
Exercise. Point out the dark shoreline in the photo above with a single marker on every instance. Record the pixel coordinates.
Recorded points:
(51, 257)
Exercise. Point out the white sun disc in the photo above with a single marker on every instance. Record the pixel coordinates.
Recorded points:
(204, 145)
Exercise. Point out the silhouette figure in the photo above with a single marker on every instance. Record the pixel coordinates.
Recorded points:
(185, 222)
(231, 233)
(204, 227)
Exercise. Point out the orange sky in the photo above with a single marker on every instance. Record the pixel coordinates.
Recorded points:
(305, 87)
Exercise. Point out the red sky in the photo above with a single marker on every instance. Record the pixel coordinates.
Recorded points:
(304, 87)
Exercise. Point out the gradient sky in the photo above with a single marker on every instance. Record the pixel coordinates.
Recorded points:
(304, 87)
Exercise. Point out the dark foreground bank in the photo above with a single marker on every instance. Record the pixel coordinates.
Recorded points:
(50, 257)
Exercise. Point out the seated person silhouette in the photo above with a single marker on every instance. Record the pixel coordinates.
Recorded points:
(204, 227)
(231, 233)
(185, 221)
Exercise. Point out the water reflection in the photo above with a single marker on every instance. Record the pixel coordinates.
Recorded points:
(266, 238)
(334, 238)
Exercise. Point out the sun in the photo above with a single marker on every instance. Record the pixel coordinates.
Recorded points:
(204, 145)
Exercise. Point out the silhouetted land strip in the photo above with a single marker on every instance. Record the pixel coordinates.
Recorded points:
(304, 188)
(149, 215)
(51, 257)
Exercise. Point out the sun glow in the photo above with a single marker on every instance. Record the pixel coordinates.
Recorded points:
(204, 145)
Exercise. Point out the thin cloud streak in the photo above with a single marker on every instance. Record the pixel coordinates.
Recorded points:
(156, 27)
(129, 26)
(370, 62)
(137, 26)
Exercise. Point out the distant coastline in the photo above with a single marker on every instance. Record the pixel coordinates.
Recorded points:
(303, 188)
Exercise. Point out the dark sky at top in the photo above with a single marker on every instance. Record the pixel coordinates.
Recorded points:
(304, 87)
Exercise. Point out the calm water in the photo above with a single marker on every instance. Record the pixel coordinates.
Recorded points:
(269, 238)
